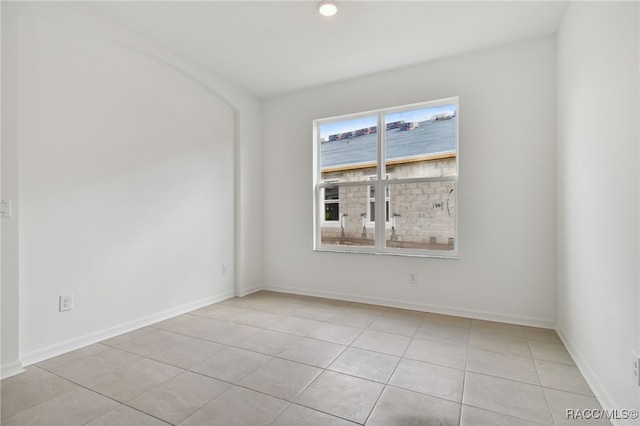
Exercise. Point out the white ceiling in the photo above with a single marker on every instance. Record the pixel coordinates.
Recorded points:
(270, 47)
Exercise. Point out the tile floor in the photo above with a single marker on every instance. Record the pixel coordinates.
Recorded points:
(277, 359)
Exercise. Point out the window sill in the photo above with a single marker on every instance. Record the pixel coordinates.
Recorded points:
(437, 254)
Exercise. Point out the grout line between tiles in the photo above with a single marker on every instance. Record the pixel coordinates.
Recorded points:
(392, 373)
(111, 398)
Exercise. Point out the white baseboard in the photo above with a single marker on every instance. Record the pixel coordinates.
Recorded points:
(403, 304)
(247, 291)
(600, 392)
(11, 369)
(89, 339)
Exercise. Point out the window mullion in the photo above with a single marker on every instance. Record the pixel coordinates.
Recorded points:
(380, 193)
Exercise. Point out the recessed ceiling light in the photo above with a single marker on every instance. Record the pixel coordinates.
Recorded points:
(327, 8)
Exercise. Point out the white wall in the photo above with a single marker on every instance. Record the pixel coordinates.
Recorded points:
(507, 265)
(598, 194)
(9, 332)
(133, 167)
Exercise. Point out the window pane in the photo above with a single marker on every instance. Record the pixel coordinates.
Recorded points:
(422, 142)
(422, 216)
(332, 211)
(331, 193)
(348, 149)
(350, 225)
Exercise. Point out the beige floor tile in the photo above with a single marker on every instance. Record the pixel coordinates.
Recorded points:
(171, 323)
(259, 319)
(404, 314)
(294, 325)
(269, 342)
(312, 311)
(563, 377)
(472, 416)
(23, 393)
(238, 407)
(261, 300)
(178, 398)
(496, 327)
(151, 343)
(365, 364)
(122, 384)
(284, 306)
(334, 303)
(549, 351)
(220, 311)
(336, 333)
(313, 352)
(245, 302)
(117, 374)
(500, 365)
(281, 378)
(503, 343)
(228, 333)
(297, 415)
(508, 397)
(402, 326)
(211, 329)
(231, 364)
(443, 333)
(364, 308)
(244, 316)
(431, 379)
(561, 401)
(189, 352)
(132, 335)
(377, 341)
(188, 325)
(110, 359)
(28, 373)
(403, 407)
(354, 319)
(71, 356)
(437, 353)
(126, 416)
(446, 320)
(543, 334)
(71, 408)
(343, 396)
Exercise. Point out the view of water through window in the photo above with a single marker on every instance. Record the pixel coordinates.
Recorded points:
(435, 132)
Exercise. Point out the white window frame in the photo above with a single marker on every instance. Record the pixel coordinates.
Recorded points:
(380, 183)
(387, 198)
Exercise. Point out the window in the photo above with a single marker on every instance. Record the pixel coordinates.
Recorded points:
(372, 202)
(398, 163)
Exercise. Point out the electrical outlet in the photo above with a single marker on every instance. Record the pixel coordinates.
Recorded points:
(66, 302)
(635, 364)
(413, 278)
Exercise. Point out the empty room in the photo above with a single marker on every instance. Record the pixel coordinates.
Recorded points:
(320, 213)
